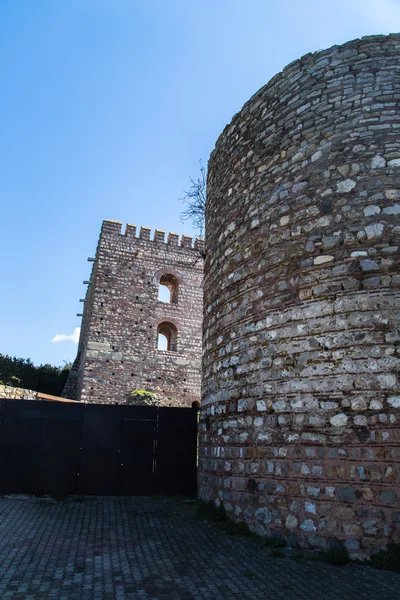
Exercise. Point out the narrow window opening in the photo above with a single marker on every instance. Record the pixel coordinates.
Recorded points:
(164, 295)
(168, 289)
(167, 337)
(162, 342)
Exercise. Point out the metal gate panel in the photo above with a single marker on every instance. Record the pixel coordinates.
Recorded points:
(139, 426)
(177, 451)
(100, 454)
(138, 445)
(39, 447)
(18, 467)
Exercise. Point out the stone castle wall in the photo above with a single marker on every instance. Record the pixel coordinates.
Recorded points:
(8, 392)
(300, 426)
(117, 351)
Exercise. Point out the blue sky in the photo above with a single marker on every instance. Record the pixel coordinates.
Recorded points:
(107, 107)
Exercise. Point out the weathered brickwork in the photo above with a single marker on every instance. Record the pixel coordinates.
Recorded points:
(122, 317)
(300, 426)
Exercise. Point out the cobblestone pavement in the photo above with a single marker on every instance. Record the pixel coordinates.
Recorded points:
(125, 548)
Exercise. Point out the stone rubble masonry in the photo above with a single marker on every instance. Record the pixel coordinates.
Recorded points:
(117, 351)
(10, 392)
(300, 424)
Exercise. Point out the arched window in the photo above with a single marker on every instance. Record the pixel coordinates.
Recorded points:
(167, 337)
(168, 289)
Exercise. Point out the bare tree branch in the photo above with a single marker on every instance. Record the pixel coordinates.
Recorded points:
(195, 199)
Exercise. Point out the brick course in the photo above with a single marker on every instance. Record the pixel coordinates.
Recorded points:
(300, 428)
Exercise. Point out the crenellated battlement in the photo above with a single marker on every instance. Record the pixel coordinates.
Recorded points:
(111, 227)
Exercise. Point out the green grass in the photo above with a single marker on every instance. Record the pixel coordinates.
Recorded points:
(308, 557)
(218, 516)
(275, 542)
(76, 498)
(276, 553)
(387, 559)
(249, 573)
(338, 557)
(178, 498)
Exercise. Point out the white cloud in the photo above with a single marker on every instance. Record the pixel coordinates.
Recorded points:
(384, 14)
(74, 337)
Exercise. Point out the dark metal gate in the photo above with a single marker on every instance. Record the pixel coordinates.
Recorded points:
(62, 448)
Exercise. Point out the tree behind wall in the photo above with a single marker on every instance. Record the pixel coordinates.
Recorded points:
(195, 199)
(21, 372)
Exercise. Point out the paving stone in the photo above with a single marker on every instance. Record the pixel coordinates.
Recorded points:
(110, 548)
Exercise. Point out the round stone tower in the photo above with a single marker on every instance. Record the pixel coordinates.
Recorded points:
(300, 431)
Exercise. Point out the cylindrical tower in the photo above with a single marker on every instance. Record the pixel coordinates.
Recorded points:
(300, 431)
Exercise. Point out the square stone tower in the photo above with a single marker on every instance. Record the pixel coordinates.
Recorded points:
(130, 339)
